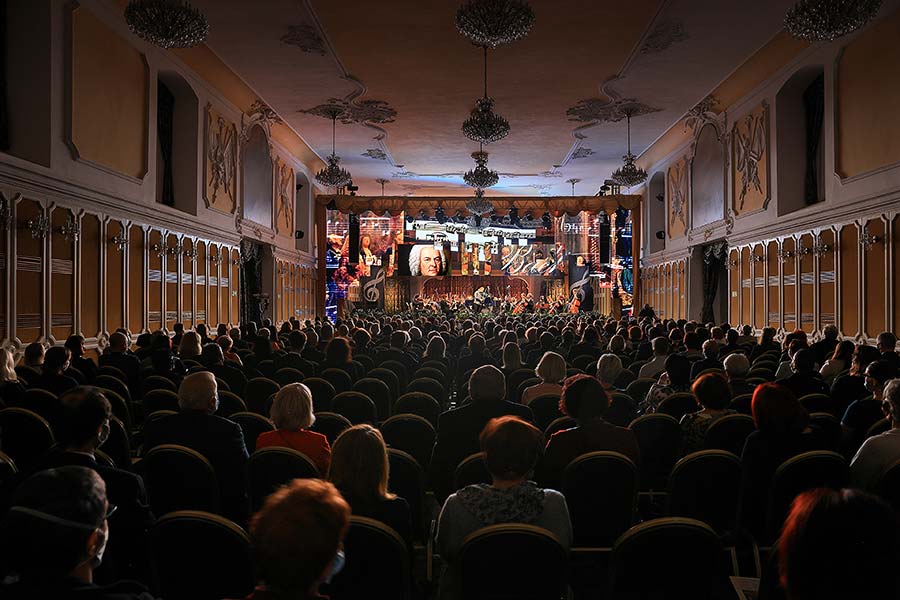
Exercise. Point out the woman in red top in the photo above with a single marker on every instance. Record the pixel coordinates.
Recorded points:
(293, 415)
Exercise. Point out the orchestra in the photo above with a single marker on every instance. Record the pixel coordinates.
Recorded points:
(483, 301)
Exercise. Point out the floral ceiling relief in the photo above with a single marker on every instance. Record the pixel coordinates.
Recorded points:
(677, 181)
(284, 197)
(750, 161)
(220, 162)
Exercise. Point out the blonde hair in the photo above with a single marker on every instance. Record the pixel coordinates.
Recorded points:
(359, 464)
(292, 407)
(190, 344)
(551, 368)
(512, 356)
(7, 366)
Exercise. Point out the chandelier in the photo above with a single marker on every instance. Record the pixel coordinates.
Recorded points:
(481, 177)
(827, 20)
(333, 175)
(479, 205)
(629, 174)
(167, 23)
(484, 125)
(491, 23)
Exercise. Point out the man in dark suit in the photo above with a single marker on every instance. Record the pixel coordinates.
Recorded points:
(221, 441)
(293, 358)
(213, 359)
(476, 357)
(709, 361)
(887, 345)
(458, 429)
(824, 348)
(805, 380)
(397, 351)
(117, 356)
(310, 352)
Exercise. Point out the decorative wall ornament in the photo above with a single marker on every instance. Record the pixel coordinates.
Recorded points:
(704, 113)
(677, 178)
(827, 20)
(70, 230)
(868, 240)
(598, 110)
(39, 227)
(160, 249)
(167, 23)
(820, 248)
(664, 35)
(750, 146)
(260, 114)
(786, 256)
(120, 241)
(581, 152)
(306, 37)
(491, 23)
(190, 253)
(284, 181)
(350, 111)
(220, 164)
(375, 153)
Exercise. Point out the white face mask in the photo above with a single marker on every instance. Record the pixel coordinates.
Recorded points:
(103, 434)
(103, 533)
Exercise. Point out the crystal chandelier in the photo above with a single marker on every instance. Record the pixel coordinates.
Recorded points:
(827, 20)
(490, 23)
(481, 177)
(167, 23)
(484, 125)
(479, 205)
(333, 175)
(629, 174)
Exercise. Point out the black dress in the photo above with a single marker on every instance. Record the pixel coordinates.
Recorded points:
(393, 512)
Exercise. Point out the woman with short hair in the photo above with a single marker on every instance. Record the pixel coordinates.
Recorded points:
(713, 393)
(551, 370)
(292, 413)
(512, 358)
(339, 355)
(838, 362)
(190, 347)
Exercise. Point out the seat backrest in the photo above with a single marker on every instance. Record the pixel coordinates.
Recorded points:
(512, 560)
(729, 433)
(322, 392)
(742, 404)
(889, 485)
(356, 407)
(196, 555)
(378, 392)
(118, 444)
(678, 405)
(24, 435)
(156, 400)
(471, 470)
(287, 375)
(113, 372)
(270, 468)
(120, 405)
(514, 380)
(429, 386)
(258, 395)
(115, 384)
(705, 485)
(390, 379)
(8, 469)
(42, 402)
(230, 403)
(338, 378)
(377, 563)
(545, 410)
(179, 478)
(524, 386)
(366, 361)
(157, 382)
(818, 403)
(674, 546)
(583, 360)
(831, 428)
(330, 424)
(412, 434)
(622, 409)
(816, 469)
(432, 373)
(399, 369)
(407, 480)
(252, 425)
(419, 403)
(878, 427)
(601, 493)
(560, 424)
(659, 438)
(638, 388)
(439, 365)
(624, 379)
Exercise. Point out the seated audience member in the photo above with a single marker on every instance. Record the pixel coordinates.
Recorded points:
(852, 386)
(692, 347)
(879, 451)
(53, 377)
(311, 348)
(292, 413)
(546, 343)
(142, 345)
(82, 428)
(191, 346)
(512, 358)
(212, 358)
(589, 344)
(736, 368)
(294, 355)
(237, 339)
(676, 379)
(824, 348)
(731, 344)
(436, 350)
(585, 400)
(296, 540)
(478, 355)
(338, 355)
(221, 441)
(837, 362)
(710, 359)
(54, 537)
(511, 449)
(164, 363)
(227, 345)
(785, 368)
(12, 391)
(805, 379)
(551, 370)
(865, 412)
(782, 431)
(617, 346)
(622, 409)
(746, 338)
(117, 355)
(201, 331)
(360, 471)
(458, 429)
(766, 343)
(34, 356)
(887, 345)
(837, 545)
(87, 367)
(713, 393)
(658, 363)
(362, 341)
(178, 330)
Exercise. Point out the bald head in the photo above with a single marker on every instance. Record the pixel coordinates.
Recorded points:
(198, 391)
(487, 383)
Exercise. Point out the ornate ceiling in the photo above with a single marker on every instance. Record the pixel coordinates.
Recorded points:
(408, 79)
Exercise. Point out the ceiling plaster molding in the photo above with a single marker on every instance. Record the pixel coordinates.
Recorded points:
(259, 114)
(306, 37)
(666, 33)
(375, 153)
(553, 173)
(594, 111)
(705, 113)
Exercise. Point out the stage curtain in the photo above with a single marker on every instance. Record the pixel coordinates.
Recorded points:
(4, 107)
(165, 111)
(814, 106)
(713, 256)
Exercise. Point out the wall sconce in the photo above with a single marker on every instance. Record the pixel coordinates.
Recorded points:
(803, 251)
(70, 230)
(820, 248)
(731, 264)
(238, 261)
(757, 258)
(38, 227)
(868, 240)
(160, 249)
(120, 241)
(786, 255)
(174, 250)
(191, 254)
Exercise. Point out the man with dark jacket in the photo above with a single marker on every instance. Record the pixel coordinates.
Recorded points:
(293, 358)
(221, 441)
(887, 345)
(458, 429)
(213, 359)
(117, 356)
(709, 360)
(805, 380)
(824, 348)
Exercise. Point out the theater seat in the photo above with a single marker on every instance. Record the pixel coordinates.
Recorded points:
(270, 468)
(377, 564)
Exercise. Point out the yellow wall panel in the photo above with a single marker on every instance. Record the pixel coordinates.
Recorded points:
(90, 275)
(826, 280)
(807, 284)
(789, 282)
(876, 279)
(29, 275)
(849, 287)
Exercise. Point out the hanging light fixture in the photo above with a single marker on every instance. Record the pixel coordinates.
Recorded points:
(481, 177)
(827, 20)
(167, 23)
(333, 175)
(479, 205)
(484, 125)
(629, 174)
(491, 23)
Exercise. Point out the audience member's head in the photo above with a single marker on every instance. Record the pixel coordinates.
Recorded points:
(712, 391)
(804, 361)
(583, 397)
(487, 384)
(512, 356)
(863, 356)
(34, 354)
(891, 401)
(190, 345)
(768, 335)
(616, 344)
(830, 332)
(292, 408)
(436, 348)
(399, 339)
(338, 352)
(777, 411)
(878, 373)
(296, 536)
(225, 343)
(660, 346)
(711, 349)
(551, 368)
(692, 341)
(511, 448)
(737, 365)
(212, 355)
(678, 368)
(609, 367)
(7, 366)
(84, 419)
(837, 545)
(199, 391)
(887, 342)
(844, 352)
(56, 360)
(359, 464)
(75, 344)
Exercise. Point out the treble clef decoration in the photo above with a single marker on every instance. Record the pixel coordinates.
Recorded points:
(370, 290)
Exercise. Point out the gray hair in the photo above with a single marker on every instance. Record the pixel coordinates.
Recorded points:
(196, 390)
(415, 254)
(737, 365)
(892, 396)
(710, 348)
(609, 367)
(292, 407)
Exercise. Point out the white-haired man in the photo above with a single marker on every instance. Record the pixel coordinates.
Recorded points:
(221, 441)
(737, 366)
(879, 451)
(427, 261)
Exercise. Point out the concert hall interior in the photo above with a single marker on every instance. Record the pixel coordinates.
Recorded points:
(449, 299)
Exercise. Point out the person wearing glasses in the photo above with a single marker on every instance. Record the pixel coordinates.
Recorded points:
(55, 536)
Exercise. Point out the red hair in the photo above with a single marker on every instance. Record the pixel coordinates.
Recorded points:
(777, 411)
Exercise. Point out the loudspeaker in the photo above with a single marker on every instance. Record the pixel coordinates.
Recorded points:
(353, 249)
(298, 234)
(660, 235)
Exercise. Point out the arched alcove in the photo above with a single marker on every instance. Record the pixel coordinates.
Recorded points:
(708, 178)
(303, 201)
(177, 127)
(799, 118)
(257, 177)
(656, 212)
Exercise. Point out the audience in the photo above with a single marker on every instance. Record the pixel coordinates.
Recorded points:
(551, 370)
(879, 451)
(338, 355)
(804, 380)
(53, 377)
(713, 393)
(84, 365)
(852, 386)
(676, 379)
(837, 362)
(710, 359)
(887, 345)
(657, 364)
(292, 413)
(12, 390)
(117, 355)
(824, 348)
(191, 346)
(737, 366)
(865, 412)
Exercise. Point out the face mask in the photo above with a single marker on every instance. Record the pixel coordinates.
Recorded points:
(103, 435)
(103, 533)
(337, 565)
